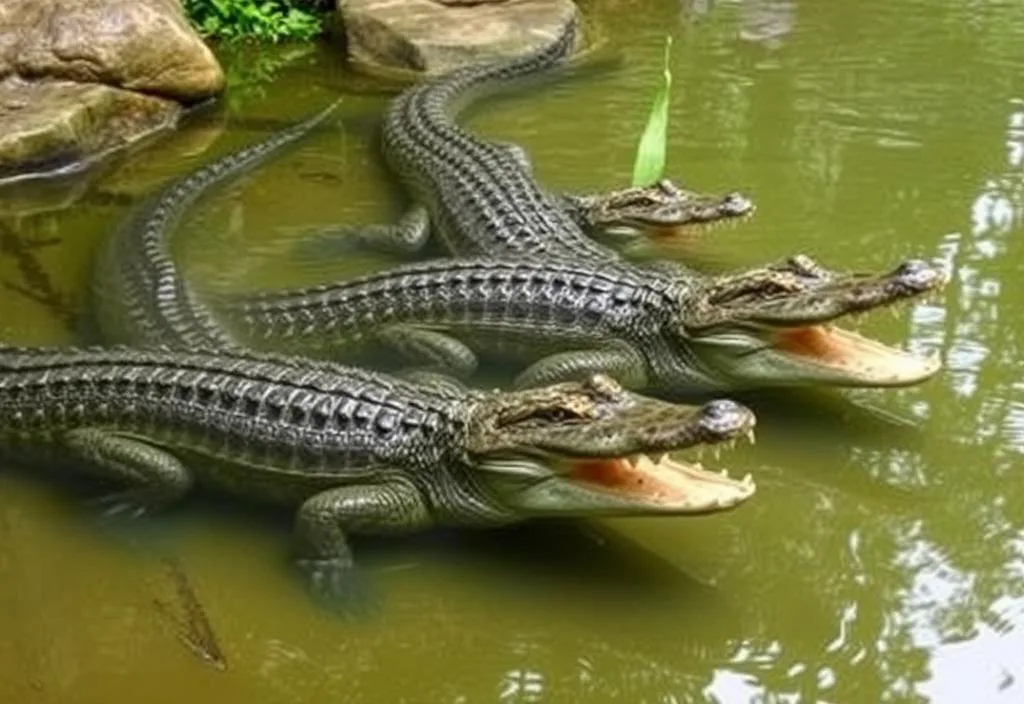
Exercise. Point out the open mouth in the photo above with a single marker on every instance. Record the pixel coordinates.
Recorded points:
(662, 482)
(859, 359)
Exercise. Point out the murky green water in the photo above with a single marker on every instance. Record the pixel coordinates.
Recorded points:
(875, 564)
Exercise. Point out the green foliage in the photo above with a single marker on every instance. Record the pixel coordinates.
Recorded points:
(649, 165)
(260, 20)
(251, 68)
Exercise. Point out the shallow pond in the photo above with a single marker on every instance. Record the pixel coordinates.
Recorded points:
(880, 560)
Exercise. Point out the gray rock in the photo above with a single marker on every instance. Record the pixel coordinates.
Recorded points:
(60, 125)
(80, 78)
(143, 45)
(435, 36)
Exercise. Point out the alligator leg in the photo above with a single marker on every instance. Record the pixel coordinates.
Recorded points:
(426, 348)
(324, 520)
(405, 237)
(621, 362)
(155, 478)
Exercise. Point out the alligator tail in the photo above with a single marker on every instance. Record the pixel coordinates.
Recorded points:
(139, 294)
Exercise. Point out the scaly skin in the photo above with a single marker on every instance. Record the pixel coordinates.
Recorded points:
(480, 197)
(764, 327)
(358, 452)
(139, 295)
(661, 210)
(362, 452)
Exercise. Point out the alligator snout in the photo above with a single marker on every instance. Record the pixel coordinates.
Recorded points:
(723, 417)
(919, 275)
(735, 203)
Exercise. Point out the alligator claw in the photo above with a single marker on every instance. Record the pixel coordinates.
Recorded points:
(339, 587)
(122, 504)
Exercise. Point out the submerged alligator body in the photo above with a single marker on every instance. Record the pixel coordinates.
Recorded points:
(358, 452)
(764, 327)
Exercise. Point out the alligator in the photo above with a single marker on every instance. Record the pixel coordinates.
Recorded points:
(356, 451)
(362, 451)
(770, 326)
(480, 197)
(662, 211)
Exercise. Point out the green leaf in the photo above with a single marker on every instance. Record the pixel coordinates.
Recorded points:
(649, 165)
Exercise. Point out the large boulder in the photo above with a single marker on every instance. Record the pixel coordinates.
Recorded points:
(435, 36)
(79, 78)
(56, 125)
(143, 45)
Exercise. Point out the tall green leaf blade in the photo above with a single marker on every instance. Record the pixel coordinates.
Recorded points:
(650, 153)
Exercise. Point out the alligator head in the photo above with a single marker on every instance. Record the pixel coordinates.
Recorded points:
(662, 209)
(594, 448)
(774, 326)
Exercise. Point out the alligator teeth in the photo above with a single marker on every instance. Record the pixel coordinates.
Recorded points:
(724, 473)
(747, 480)
(644, 463)
(661, 458)
(750, 436)
(634, 460)
(716, 451)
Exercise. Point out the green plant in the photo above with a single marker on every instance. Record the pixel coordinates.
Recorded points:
(261, 20)
(649, 165)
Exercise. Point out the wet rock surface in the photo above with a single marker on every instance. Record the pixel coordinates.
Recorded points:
(80, 78)
(60, 125)
(434, 36)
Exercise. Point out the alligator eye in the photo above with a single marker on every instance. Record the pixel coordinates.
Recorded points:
(556, 415)
(541, 415)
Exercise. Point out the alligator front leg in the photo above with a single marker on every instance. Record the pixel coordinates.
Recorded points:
(406, 237)
(429, 350)
(154, 477)
(621, 362)
(325, 520)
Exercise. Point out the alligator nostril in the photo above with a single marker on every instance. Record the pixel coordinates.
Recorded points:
(737, 203)
(722, 410)
(917, 273)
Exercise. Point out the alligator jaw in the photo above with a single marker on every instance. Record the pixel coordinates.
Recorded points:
(858, 360)
(663, 485)
(688, 221)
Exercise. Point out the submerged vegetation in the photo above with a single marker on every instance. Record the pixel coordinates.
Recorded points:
(255, 20)
(649, 165)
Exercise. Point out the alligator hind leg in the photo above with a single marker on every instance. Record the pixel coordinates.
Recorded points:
(405, 237)
(326, 518)
(428, 349)
(620, 362)
(154, 477)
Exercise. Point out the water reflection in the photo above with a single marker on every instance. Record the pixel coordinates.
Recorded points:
(873, 566)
